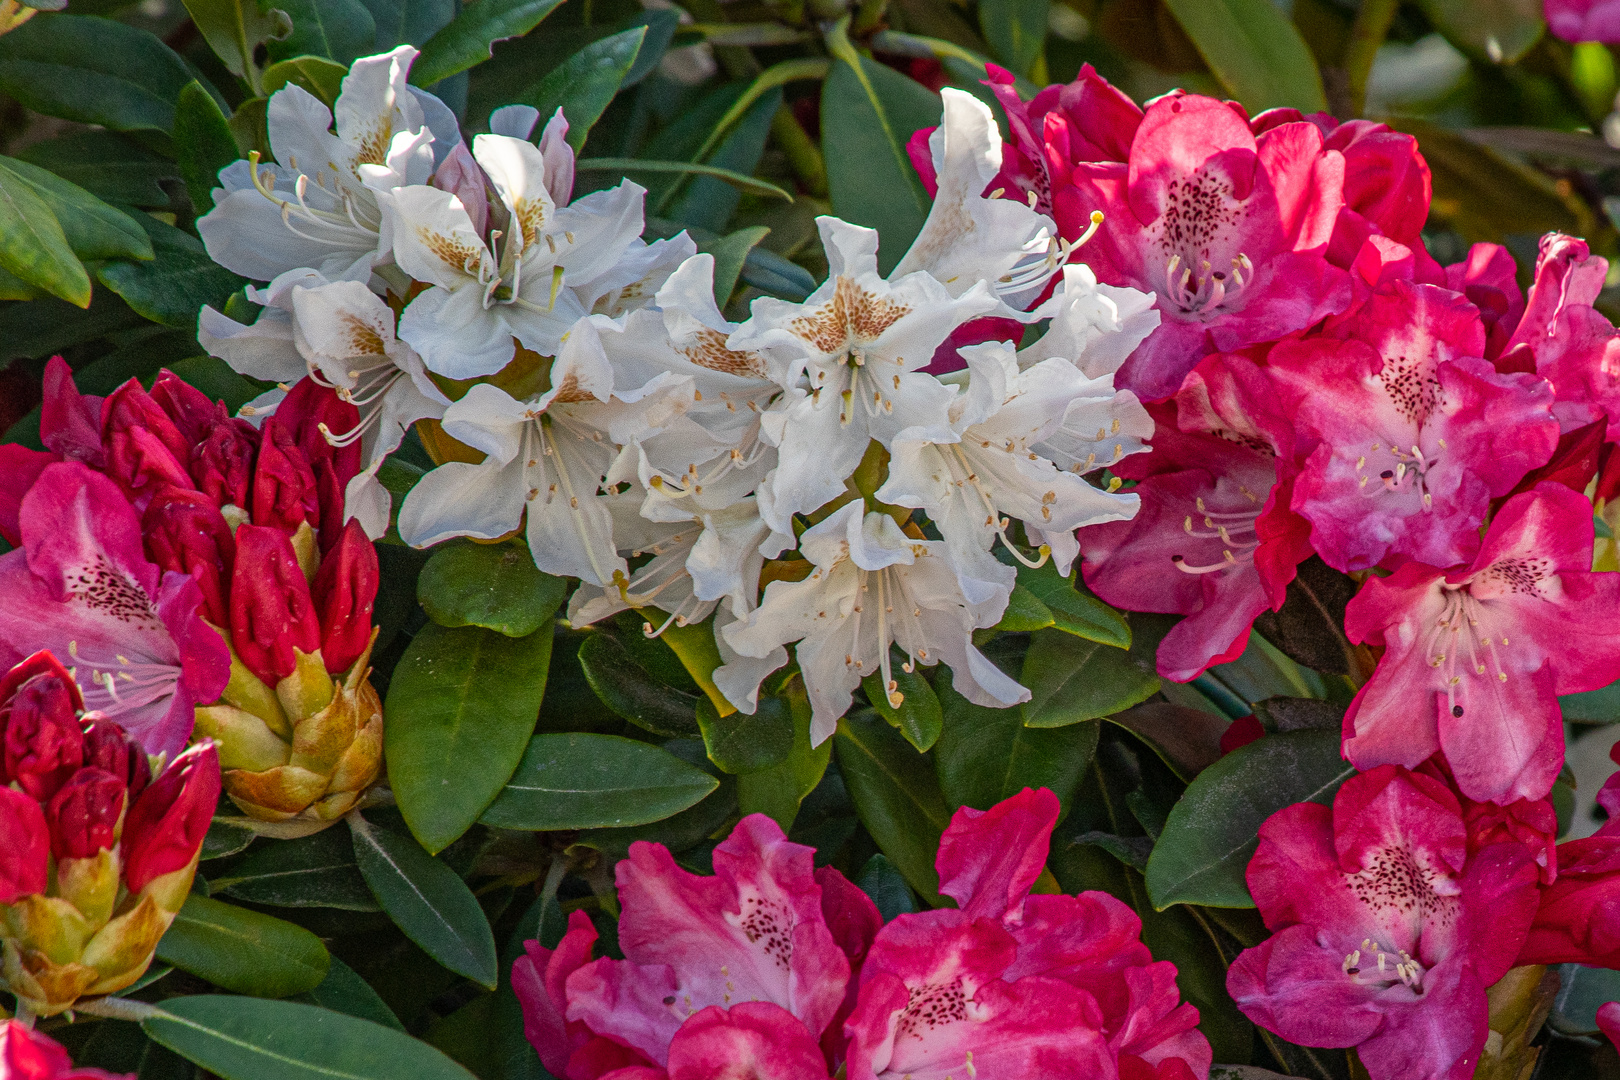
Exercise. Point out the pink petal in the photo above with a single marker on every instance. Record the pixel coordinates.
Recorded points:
(751, 1041)
(988, 860)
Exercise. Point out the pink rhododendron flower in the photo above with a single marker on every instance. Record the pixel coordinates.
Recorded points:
(1488, 278)
(82, 587)
(1215, 539)
(1229, 231)
(1414, 431)
(26, 1054)
(1475, 657)
(1387, 924)
(1583, 20)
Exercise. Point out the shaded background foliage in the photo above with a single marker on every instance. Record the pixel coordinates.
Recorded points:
(744, 120)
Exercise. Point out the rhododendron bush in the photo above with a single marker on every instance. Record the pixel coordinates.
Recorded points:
(760, 541)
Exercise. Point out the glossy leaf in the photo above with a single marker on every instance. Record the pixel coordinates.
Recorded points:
(413, 22)
(344, 991)
(32, 244)
(886, 886)
(778, 790)
(235, 29)
(896, 795)
(244, 1039)
(467, 40)
(684, 830)
(1025, 612)
(172, 286)
(317, 74)
(1187, 740)
(740, 743)
(986, 755)
(461, 706)
(224, 838)
(426, 899)
(1016, 30)
(1074, 612)
(339, 30)
(693, 644)
(584, 84)
(313, 871)
(495, 586)
(583, 781)
(109, 166)
(918, 714)
(624, 685)
(1201, 856)
(1255, 51)
(1071, 679)
(245, 952)
(203, 144)
(94, 230)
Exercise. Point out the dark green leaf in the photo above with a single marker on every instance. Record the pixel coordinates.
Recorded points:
(1594, 707)
(687, 828)
(584, 84)
(426, 899)
(740, 743)
(868, 113)
(1255, 51)
(736, 179)
(1016, 30)
(466, 41)
(1071, 679)
(888, 889)
(32, 244)
(631, 691)
(581, 781)
(462, 704)
(49, 325)
(95, 71)
(174, 285)
(1582, 991)
(1075, 612)
(215, 378)
(1025, 612)
(778, 790)
(317, 74)
(243, 1039)
(986, 755)
(496, 586)
(344, 991)
(770, 273)
(1301, 714)
(93, 229)
(1187, 740)
(314, 871)
(1213, 830)
(1309, 626)
(235, 29)
(203, 143)
(224, 839)
(340, 30)
(708, 202)
(1500, 31)
(731, 253)
(917, 716)
(413, 22)
(896, 795)
(243, 951)
(109, 166)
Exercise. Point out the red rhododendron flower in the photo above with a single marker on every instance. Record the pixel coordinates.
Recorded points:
(26, 1054)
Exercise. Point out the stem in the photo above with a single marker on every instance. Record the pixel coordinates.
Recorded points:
(803, 155)
(115, 1008)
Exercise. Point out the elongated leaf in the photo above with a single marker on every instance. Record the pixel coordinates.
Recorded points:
(740, 743)
(868, 113)
(235, 29)
(203, 144)
(314, 871)
(95, 71)
(466, 41)
(1254, 51)
(244, 1039)
(171, 287)
(986, 755)
(461, 707)
(243, 951)
(93, 229)
(317, 74)
(1016, 29)
(917, 716)
(1071, 679)
(896, 795)
(730, 255)
(32, 244)
(1075, 612)
(779, 790)
(339, 30)
(1025, 612)
(107, 165)
(1212, 831)
(344, 991)
(496, 586)
(1187, 740)
(624, 685)
(584, 84)
(730, 176)
(224, 839)
(409, 22)
(581, 781)
(426, 899)
(1500, 31)
(708, 201)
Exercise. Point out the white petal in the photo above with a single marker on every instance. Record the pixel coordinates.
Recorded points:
(456, 335)
(434, 238)
(487, 418)
(514, 121)
(263, 350)
(458, 499)
(367, 501)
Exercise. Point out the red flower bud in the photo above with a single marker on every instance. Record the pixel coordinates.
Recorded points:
(345, 591)
(24, 846)
(222, 465)
(194, 413)
(166, 824)
(43, 743)
(1574, 461)
(32, 1055)
(284, 493)
(70, 422)
(109, 748)
(308, 413)
(185, 532)
(271, 609)
(145, 451)
(83, 815)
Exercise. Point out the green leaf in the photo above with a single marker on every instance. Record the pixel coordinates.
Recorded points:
(467, 40)
(684, 830)
(496, 586)
(317, 74)
(1187, 740)
(624, 685)
(1309, 627)
(918, 714)
(986, 755)
(868, 113)
(344, 991)
(1016, 30)
(215, 378)
(243, 951)
(708, 202)
(426, 899)
(235, 29)
(1072, 679)
(224, 839)
(742, 180)
(582, 781)
(584, 84)
(32, 244)
(244, 1039)
(203, 144)
(778, 791)
(880, 880)
(740, 743)
(896, 795)
(1500, 31)
(413, 22)
(93, 229)
(95, 71)
(109, 166)
(1254, 51)
(171, 287)
(1025, 612)
(313, 871)
(1201, 856)
(340, 30)
(462, 704)
(1582, 991)
(1074, 612)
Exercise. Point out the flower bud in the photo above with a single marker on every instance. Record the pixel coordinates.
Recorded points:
(185, 532)
(308, 413)
(145, 451)
(284, 494)
(345, 590)
(462, 177)
(272, 614)
(193, 412)
(84, 815)
(222, 464)
(43, 743)
(109, 748)
(24, 846)
(165, 827)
